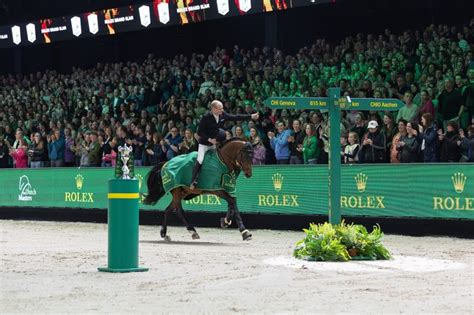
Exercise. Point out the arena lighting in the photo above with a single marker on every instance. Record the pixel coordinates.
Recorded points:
(157, 13)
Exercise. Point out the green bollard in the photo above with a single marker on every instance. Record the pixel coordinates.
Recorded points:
(123, 220)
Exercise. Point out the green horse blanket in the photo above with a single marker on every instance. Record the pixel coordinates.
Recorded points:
(214, 173)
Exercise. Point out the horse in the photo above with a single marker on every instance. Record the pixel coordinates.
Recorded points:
(236, 154)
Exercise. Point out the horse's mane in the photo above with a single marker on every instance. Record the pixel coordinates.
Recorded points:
(230, 140)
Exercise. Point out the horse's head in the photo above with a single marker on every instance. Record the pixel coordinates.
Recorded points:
(244, 159)
(237, 154)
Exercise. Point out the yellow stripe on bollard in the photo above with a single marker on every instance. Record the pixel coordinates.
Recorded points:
(123, 196)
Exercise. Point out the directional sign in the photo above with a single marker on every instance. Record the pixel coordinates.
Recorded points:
(386, 104)
(372, 104)
(334, 103)
(297, 102)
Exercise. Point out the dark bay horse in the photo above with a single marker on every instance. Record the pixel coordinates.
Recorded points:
(237, 156)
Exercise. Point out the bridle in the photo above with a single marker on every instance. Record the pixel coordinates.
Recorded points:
(245, 152)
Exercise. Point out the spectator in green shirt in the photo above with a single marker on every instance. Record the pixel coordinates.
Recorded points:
(409, 111)
(310, 148)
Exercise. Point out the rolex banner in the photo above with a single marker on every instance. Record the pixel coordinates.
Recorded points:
(429, 191)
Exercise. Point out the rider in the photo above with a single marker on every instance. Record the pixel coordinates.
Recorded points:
(210, 132)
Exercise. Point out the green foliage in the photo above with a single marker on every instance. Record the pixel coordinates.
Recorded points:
(327, 242)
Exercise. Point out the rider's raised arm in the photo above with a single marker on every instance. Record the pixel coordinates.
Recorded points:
(237, 117)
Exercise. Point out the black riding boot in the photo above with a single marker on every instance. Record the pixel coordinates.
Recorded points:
(196, 171)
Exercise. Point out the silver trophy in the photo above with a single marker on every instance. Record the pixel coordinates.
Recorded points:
(125, 152)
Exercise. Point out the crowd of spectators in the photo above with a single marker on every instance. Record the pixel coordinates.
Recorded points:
(80, 118)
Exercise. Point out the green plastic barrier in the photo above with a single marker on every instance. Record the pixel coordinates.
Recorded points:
(406, 190)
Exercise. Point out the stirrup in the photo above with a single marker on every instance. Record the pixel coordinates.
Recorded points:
(193, 184)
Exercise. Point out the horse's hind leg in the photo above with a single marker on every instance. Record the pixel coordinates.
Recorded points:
(186, 223)
(164, 227)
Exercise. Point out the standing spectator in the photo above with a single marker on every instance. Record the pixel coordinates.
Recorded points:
(409, 111)
(470, 143)
(450, 103)
(359, 126)
(351, 150)
(138, 145)
(19, 154)
(468, 95)
(408, 145)
(279, 143)
(56, 146)
(37, 151)
(296, 143)
(4, 152)
(309, 148)
(259, 150)
(94, 153)
(69, 156)
(429, 138)
(373, 145)
(426, 105)
(153, 150)
(463, 144)
(389, 129)
(110, 158)
(402, 131)
(449, 147)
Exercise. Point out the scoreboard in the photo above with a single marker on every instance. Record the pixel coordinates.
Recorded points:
(158, 13)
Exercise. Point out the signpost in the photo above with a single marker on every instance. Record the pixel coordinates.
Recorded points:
(334, 103)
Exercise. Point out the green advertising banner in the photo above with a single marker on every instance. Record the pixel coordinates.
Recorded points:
(429, 191)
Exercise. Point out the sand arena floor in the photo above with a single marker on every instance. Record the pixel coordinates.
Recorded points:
(51, 267)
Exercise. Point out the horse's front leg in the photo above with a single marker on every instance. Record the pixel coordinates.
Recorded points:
(246, 235)
(233, 212)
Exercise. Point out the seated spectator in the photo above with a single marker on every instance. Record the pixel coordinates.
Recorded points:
(189, 143)
(171, 143)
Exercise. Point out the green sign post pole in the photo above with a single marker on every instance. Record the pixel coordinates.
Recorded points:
(334, 103)
(334, 166)
(123, 219)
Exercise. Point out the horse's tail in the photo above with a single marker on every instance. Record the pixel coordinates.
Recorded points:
(155, 185)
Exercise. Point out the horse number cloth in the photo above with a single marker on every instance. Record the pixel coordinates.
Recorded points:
(214, 174)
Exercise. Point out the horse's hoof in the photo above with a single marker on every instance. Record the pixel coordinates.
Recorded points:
(246, 235)
(195, 235)
(167, 238)
(224, 223)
